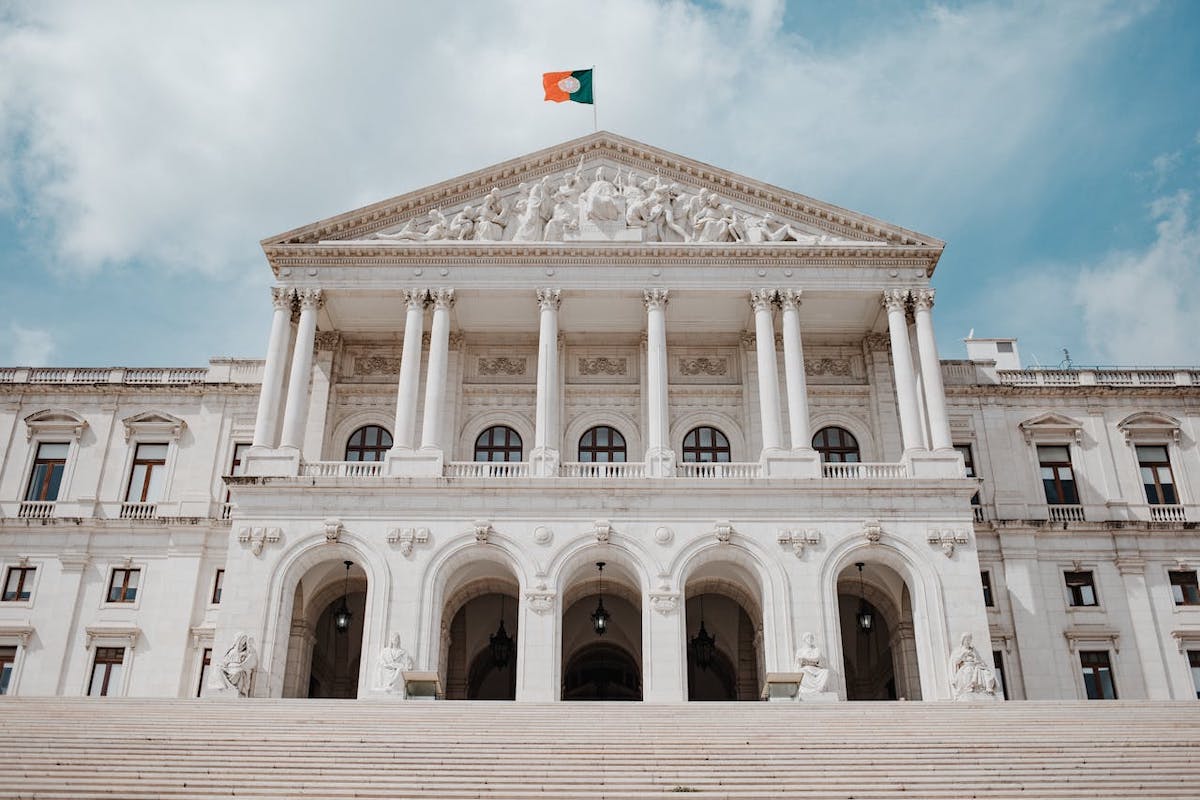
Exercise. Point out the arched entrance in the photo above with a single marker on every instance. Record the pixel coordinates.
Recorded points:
(323, 660)
(604, 666)
(479, 632)
(878, 646)
(720, 599)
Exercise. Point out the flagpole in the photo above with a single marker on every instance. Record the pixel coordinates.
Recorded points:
(595, 125)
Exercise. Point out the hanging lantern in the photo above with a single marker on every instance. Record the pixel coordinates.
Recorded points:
(600, 616)
(341, 617)
(704, 646)
(866, 619)
(500, 643)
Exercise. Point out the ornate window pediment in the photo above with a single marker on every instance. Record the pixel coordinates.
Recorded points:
(1150, 426)
(1052, 426)
(55, 422)
(111, 636)
(157, 424)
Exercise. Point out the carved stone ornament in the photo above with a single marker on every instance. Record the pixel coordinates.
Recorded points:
(827, 366)
(947, 539)
(703, 366)
(235, 670)
(310, 299)
(798, 539)
(327, 340)
(603, 529)
(603, 366)
(970, 678)
(663, 535)
(723, 530)
(258, 537)
(541, 602)
(333, 530)
(872, 530)
(664, 602)
(894, 299)
(655, 299)
(405, 538)
(502, 366)
(762, 299)
(376, 365)
(877, 341)
(483, 529)
(549, 299)
(543, 535)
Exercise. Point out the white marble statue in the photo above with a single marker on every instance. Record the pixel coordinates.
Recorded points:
(529, 215)
(810, 663)
(237, 665)
(408, 233)
(713, 223)
(601, 200)
(562, 220)
(393, 661)
(462, 227)
(970, 678)
(491, 218)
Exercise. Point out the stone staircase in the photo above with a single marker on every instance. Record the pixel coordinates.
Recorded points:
(183, 749)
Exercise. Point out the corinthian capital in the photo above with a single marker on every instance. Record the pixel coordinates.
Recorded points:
(548, 299)
(310, 298)
(442, 297)
(922, 299)
(790, 299)
(895, 299)
(655, 299)
(761, 299)
(282, 297)
(415, 298)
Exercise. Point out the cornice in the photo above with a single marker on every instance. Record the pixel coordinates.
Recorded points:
(1006, 390)
(124, 390)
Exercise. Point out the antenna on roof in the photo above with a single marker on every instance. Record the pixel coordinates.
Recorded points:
(971, 333)
(1066, 363)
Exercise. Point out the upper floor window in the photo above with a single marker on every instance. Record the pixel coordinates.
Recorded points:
(218, 586)
(1058, 478)
(368, 443)
(1097, 675)
(123, 585)
(239, 458)
(705, 445)
(48, 468)
(836, 445)
(18, 583)
(499, 443)
(1184, 587)
(969, 464)
(1155, 466)
(106, 671)
(148, 474)
(1081, 588)
(601, 444)
(986, 578)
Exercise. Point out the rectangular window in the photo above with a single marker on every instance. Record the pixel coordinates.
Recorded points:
(1194, 663)
(1081, 588)
(239, 456)
(218, 584)
(18, 583)
(148, 473)
(123, 586)
(969, 463)
(205, 663)
(48, 468)
(1184, 587)
(106, 671)
(986, 578)
(998, 665)
(1058, 479)
(8, 661)
(1157, 478)
(1097, 675)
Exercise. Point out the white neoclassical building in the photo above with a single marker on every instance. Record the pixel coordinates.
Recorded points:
(726, 393)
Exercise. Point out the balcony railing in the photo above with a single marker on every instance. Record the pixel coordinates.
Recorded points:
(1066, 513)
(36, 509)
(604, 469)
(487, 469)
(1167, 513)
(139, 510)
(863, 471)
(980, 514)
(1099, 376)
(727, 469)
(226, 510)
(341, 469)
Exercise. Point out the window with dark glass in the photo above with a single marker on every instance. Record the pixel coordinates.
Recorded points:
(836, 445)
(705, 445)
(1097, 675)
(998, 665)
(218, 585)
(986, 578)
(8, 661)
(148, 473)
(601, 444)
(48, 468)
(368, 443)
(239, 455)
(123, 585)
(1194, 663)
(1081, 588)
(1184, 587)
(1058, 478)
(205, 663)
(18, 583)
(1157, 478)
(106, 671)
(969, 463)
(499, 443)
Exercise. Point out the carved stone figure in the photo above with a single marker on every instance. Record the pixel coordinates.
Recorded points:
(529, 215)
(811, 664)
(393, 661)
(491, 219)
(713, 222)
(563, 220)
(601, 200)
(237, 665)
(408, 233)
(971, 679)
(462, 227)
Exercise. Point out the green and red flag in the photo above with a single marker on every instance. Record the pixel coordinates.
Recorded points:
(575, 86)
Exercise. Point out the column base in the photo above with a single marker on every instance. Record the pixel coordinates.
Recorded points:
(660, 463)
(543, 462)
(936, 464)
(272, 462)
(801, 463)
(423, 463)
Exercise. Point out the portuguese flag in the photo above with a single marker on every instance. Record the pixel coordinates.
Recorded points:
(575, 86)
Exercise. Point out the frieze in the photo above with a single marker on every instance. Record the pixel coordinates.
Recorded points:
(376, 365)
(703, 366)
(828, 366)
(602, 365)
(502, 365)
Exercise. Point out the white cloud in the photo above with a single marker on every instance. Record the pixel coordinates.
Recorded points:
(29, 347)
(179, 135)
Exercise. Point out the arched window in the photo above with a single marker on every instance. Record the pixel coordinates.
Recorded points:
(705, 445)
(836, 445)
(498, 443)
(601, 444)
(368, 443)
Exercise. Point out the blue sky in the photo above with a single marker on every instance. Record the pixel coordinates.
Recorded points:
(146, 148)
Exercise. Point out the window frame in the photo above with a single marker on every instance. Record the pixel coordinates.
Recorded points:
(1193, 663)
(1056, 466)
(1070, 594)
(841, 450)
(122, 677)
(491, 448)
(237, 463)
(989, 591)
(151, 427)
(139, 590)
(610, 449)
(53, 426)
(1155, 466)
(380, 449)
(33, 467)
(8, 688)
(1112, 673)
(147, 480)
(217, 587)
(205, 664)
(967, 451)
(25, 581)
(1001, 669)
(697, 449)
(16, 637)
(1195, 582)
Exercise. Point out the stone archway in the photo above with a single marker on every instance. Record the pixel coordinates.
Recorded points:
(480, 599)
(322, 661)
(604, 666)
(720, 595)
(879, 663)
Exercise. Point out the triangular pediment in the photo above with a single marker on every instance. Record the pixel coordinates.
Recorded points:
(603, 188)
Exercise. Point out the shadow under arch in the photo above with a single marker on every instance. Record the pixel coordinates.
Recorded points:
(481, 602)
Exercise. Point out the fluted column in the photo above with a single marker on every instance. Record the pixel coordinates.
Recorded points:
(910, 426)
(295, 415)
(435, 378)
(544, 457)
(931, 372)
(410, 371)
(267, 419)
(793, 364)
(768, 372)
(660, 460)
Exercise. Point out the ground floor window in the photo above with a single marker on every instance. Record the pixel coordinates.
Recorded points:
(1194, 663)
(1098, 675)
(106, 671)
(998, 664)
(205, 663)
(8, 660)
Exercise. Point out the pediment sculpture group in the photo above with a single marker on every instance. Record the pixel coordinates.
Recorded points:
(627, 207)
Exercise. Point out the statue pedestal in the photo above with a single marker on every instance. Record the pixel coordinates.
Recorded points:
(784, 687)
(615, 231)
(422, 685)
(978, 697)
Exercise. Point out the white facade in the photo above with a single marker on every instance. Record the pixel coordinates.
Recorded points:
(580, 298)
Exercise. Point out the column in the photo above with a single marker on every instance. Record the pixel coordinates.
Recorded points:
(295, 416)
(410, 371)
(327, 343)
(539, 660)
(931, 371)
(660, 461)
(768, 373)
(664, 650)
(1047, 670)
(272, 380)
(1147, 634)
(918, 390)
(910, 426)
(546, 435)
(793, 363)
(435, 378)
